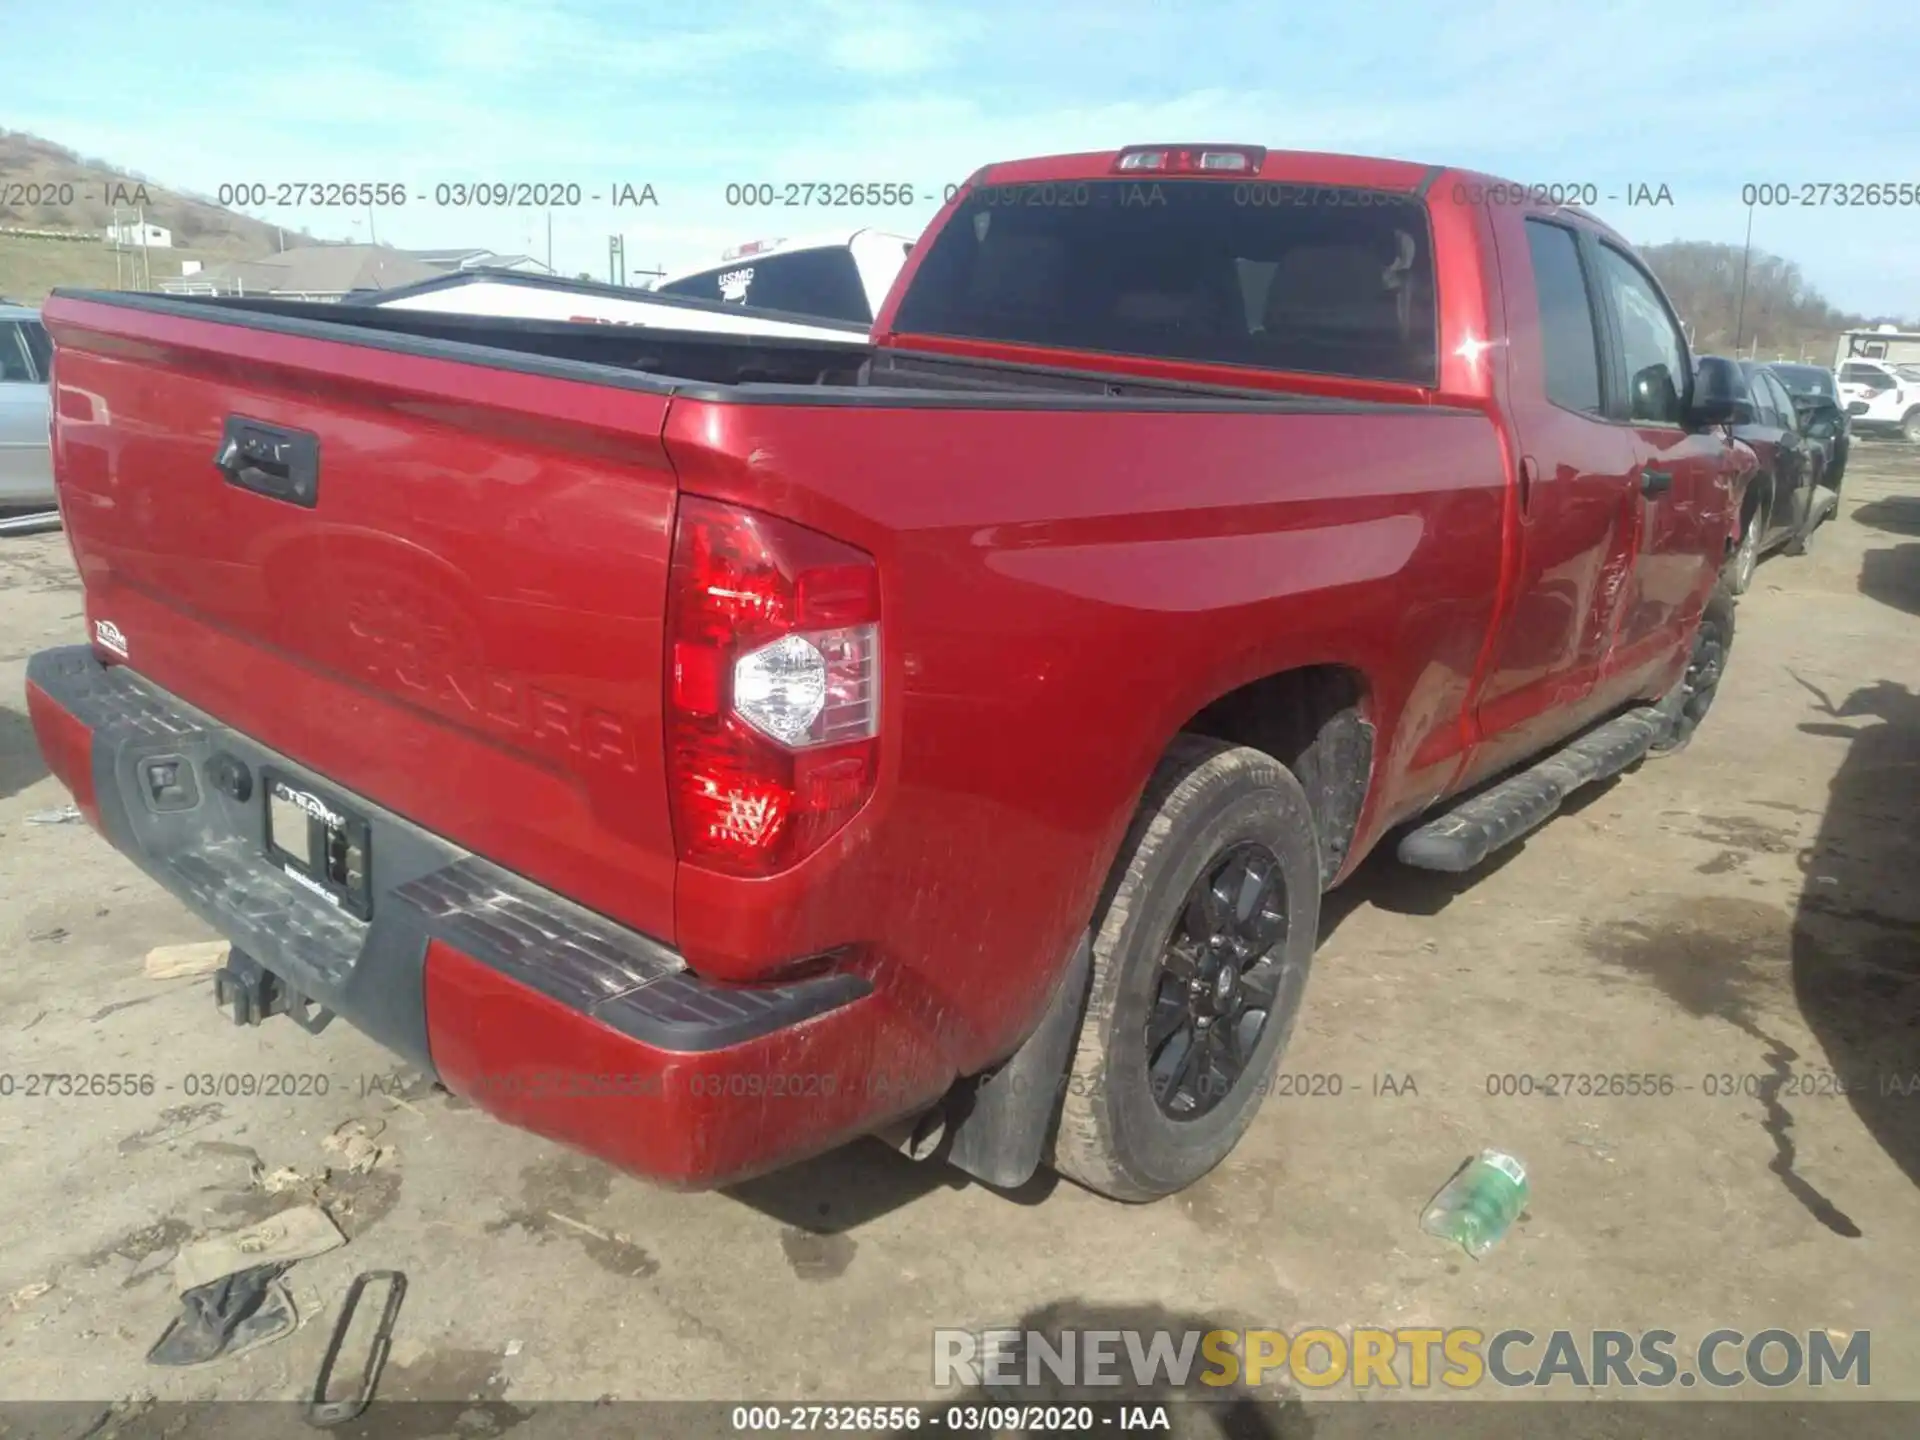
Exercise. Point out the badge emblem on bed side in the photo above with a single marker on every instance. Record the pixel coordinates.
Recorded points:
(107, 636)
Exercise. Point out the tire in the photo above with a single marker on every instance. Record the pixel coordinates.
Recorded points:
(1690, 700)
(1213, 814)
(1910, 426)
(1746, 557)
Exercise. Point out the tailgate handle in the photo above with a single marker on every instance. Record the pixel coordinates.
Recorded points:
(269, 460)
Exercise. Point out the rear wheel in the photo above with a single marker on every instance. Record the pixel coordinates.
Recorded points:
(1199, 964)
(1693, 697)
(1910, 426)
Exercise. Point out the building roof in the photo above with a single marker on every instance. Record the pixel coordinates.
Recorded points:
(316, 270)
(454, 258)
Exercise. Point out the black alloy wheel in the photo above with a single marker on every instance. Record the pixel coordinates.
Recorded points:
(1221, 972)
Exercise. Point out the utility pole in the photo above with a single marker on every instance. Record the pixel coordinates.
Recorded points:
(1746, 258)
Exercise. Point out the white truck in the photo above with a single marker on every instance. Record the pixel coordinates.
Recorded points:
(820, 288)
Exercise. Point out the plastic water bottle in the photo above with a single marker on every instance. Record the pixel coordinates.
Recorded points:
(1475, 1207)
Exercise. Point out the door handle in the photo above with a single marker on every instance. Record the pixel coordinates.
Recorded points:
(269, 460)
(1655, 482)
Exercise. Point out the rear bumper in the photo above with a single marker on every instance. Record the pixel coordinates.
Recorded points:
(539, 1011)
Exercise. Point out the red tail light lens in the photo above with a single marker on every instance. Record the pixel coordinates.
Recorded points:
(773, 687)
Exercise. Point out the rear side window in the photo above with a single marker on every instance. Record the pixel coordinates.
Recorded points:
(1567, 335)
(1869, 375)
(13, 354)
(1324, 280)
(39, 345)
(1782, 402)
(1805, 380)
(823, 282)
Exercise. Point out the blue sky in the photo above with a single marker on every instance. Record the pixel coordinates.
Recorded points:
(688, 98)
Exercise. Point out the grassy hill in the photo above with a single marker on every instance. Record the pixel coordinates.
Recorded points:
(47, 187)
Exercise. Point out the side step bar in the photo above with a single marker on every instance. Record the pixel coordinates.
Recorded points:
(1465, 835)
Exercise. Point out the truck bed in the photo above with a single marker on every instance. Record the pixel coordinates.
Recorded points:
(703, 365)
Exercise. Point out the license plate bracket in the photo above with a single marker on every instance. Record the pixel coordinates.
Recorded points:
(319, 842)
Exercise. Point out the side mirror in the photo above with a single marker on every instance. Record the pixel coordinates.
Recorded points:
(1652, 395)
(1718, 392)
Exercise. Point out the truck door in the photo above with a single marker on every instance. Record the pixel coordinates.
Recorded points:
(1576, 495)
(1680, 496)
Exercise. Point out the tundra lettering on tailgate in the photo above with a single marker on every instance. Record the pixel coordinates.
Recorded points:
(396, 647)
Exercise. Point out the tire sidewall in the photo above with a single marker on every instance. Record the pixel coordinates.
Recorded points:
(1158, 1153)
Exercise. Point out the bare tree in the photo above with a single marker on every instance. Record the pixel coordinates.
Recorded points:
(1784, 315)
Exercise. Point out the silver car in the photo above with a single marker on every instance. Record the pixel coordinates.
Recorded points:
(26, 355)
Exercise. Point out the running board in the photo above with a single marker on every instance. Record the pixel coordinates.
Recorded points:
(1465, 835)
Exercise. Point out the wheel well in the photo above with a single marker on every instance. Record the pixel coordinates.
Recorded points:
(1311, 720)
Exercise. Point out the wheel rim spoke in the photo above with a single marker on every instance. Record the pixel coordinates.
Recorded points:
(1184, 1070)
(1170, 1016)
(1261, 984)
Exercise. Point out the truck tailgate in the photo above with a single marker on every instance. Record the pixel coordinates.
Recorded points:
(462, 621)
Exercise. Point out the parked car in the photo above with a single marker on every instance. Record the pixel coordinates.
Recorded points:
(1778, 507)
(708, 764)
(1815, 393)
(1882, 398)
(26, 357)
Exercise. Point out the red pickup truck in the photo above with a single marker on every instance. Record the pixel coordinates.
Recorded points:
(705, 750)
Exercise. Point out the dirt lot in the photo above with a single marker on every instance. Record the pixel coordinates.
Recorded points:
(1750, 908)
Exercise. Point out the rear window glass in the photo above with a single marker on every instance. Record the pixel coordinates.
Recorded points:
(1805, 380)
(1323, 280)
(823, 282)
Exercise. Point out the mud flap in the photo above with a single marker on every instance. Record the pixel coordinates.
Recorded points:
(1000, 1122)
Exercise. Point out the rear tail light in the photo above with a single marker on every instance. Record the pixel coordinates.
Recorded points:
(773, 687)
